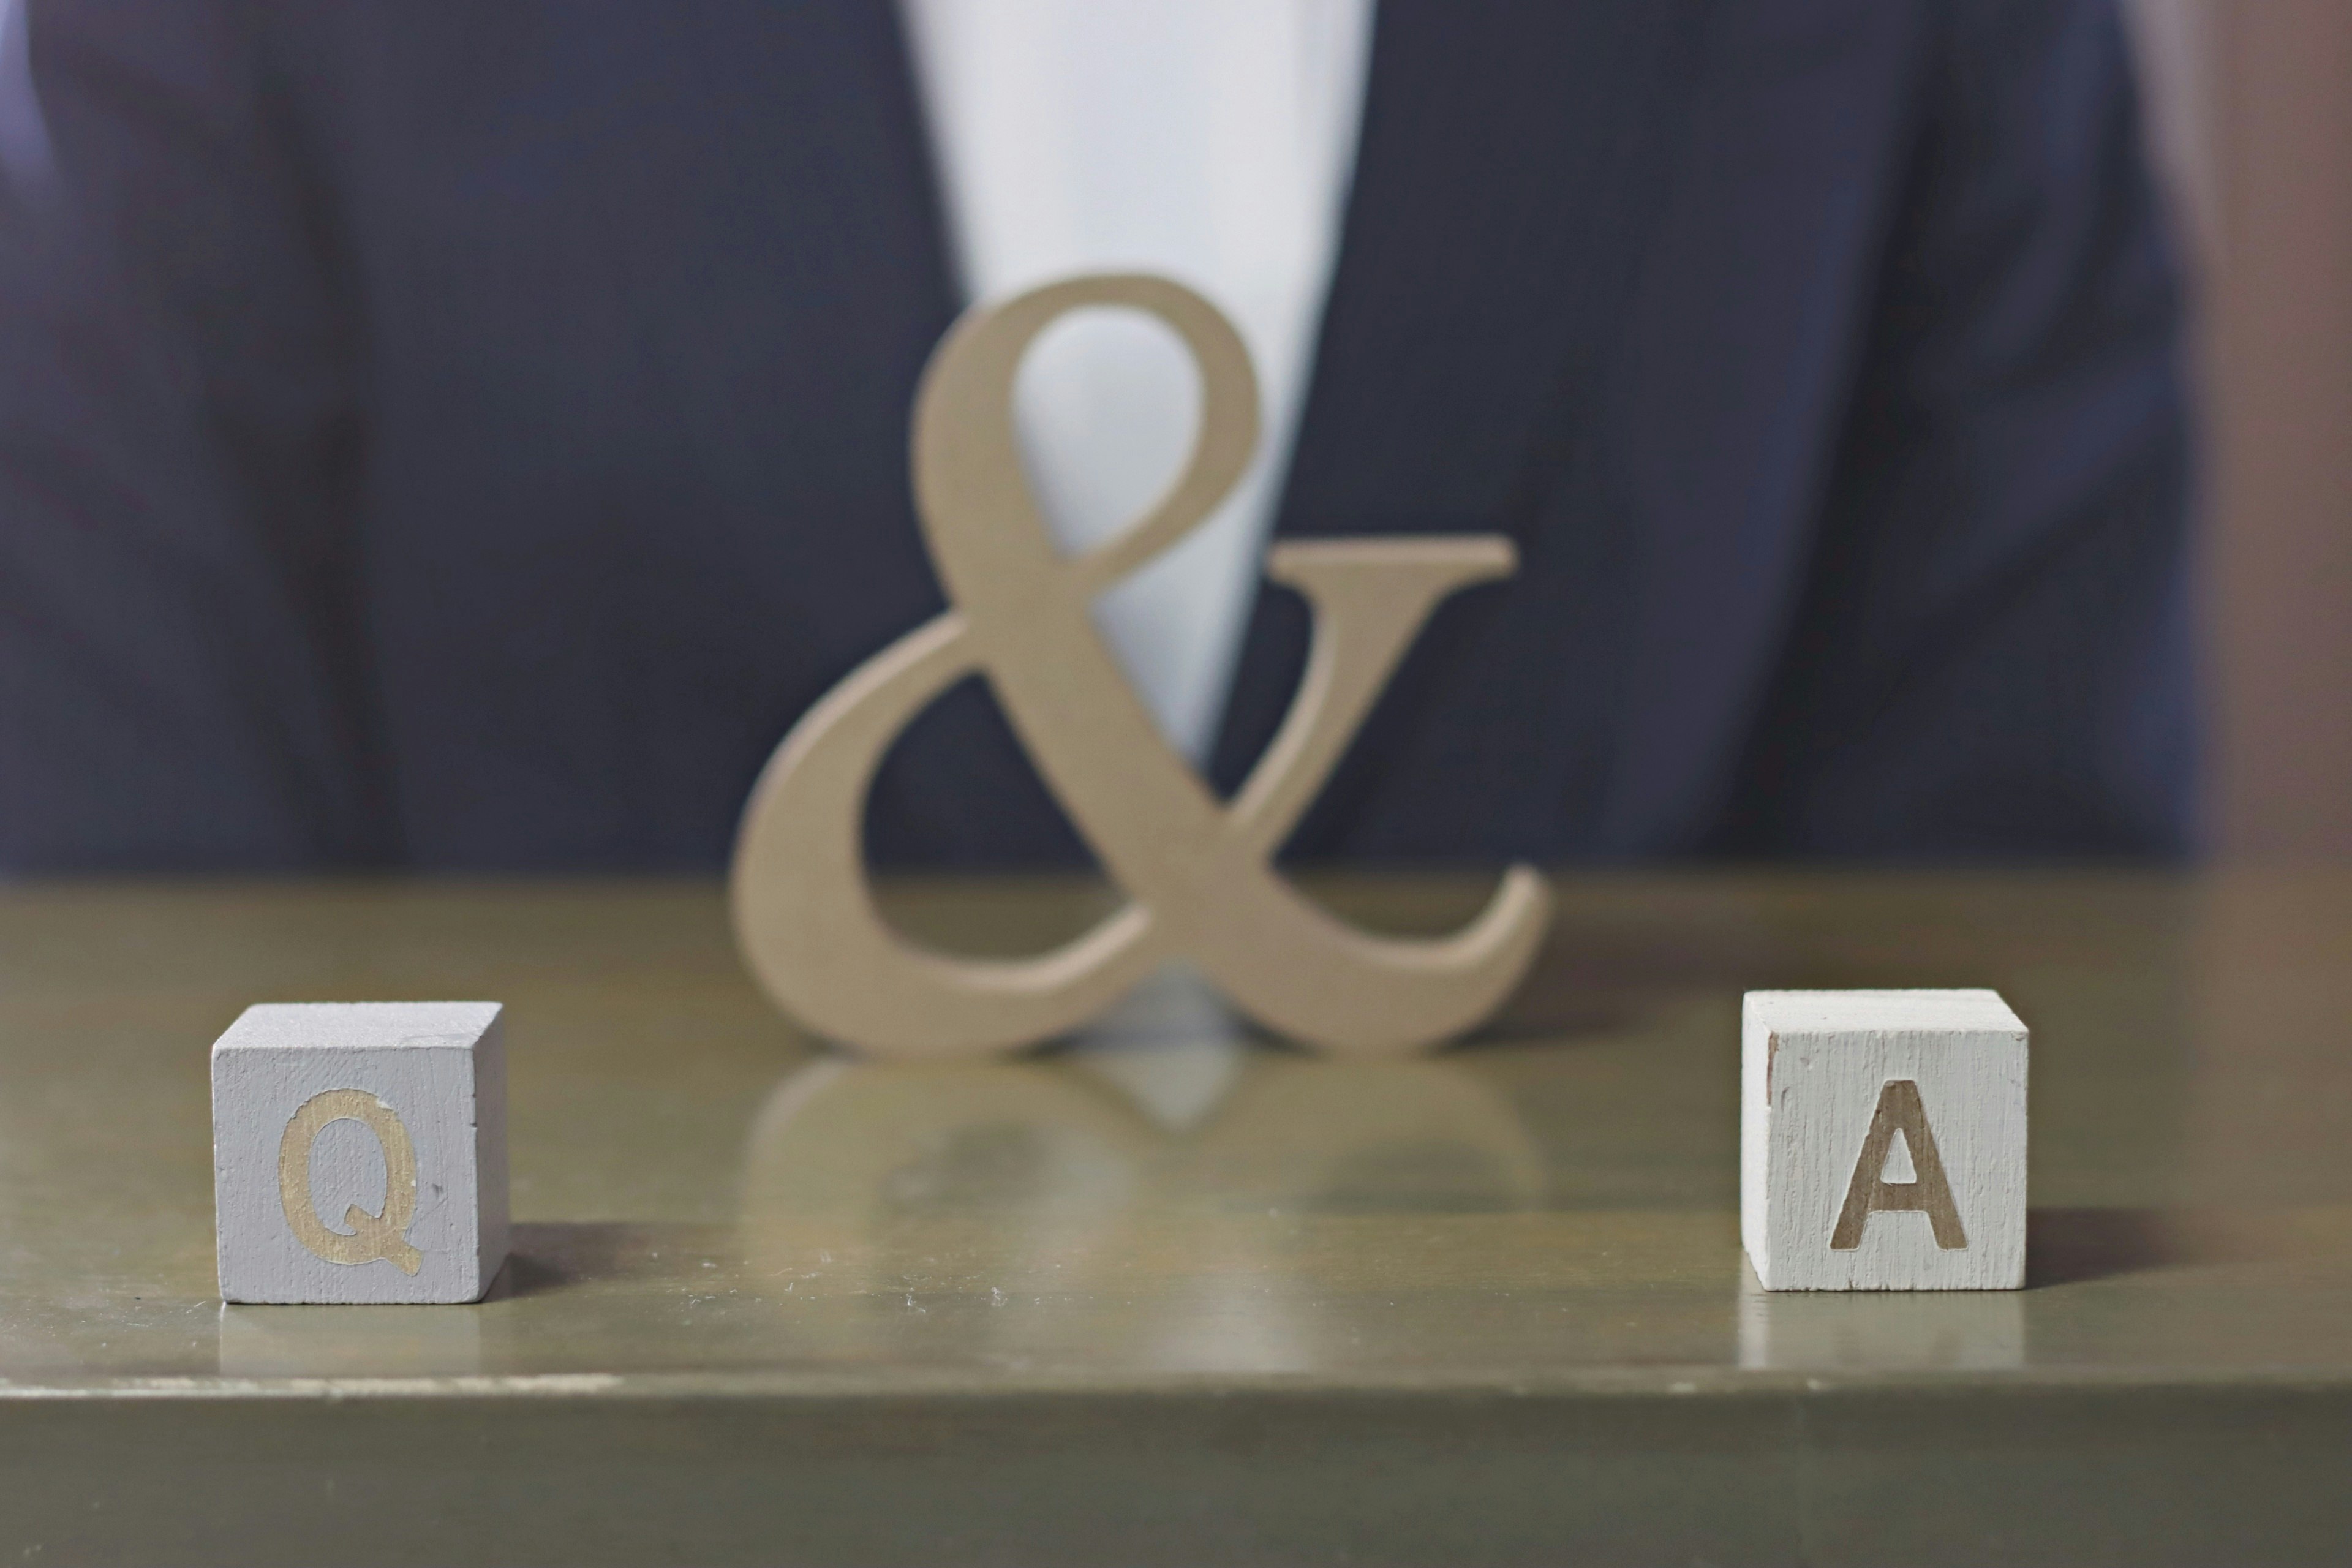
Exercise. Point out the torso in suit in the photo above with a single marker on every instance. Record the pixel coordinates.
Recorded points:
(466, 437)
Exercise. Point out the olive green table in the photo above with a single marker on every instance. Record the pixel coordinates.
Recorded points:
(1171, 1295)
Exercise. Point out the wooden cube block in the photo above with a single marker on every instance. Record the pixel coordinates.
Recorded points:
(1882, 1141)
(359, 1151)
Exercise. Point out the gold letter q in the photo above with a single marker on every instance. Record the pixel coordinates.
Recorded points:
(372, 1235)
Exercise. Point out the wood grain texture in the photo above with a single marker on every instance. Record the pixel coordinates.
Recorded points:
(359, 1151)
(1883, 1140)
(1487, 1307)
(1197, 870)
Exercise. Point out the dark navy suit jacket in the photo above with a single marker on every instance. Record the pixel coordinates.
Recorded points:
(462, 434)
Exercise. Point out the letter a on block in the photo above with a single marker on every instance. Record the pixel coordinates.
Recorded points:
(1870, 1193)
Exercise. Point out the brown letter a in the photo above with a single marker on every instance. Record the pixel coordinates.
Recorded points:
(1869, 1193)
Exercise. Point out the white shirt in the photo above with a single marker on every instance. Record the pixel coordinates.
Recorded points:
(1210, 140)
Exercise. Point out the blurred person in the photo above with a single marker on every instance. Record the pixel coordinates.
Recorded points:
(463, 436)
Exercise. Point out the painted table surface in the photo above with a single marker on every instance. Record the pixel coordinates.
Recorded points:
(1170, 1294)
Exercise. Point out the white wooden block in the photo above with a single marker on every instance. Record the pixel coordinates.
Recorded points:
(359, 1151)
(1882, 1141)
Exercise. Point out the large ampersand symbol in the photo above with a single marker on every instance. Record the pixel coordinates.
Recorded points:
(1198, 871)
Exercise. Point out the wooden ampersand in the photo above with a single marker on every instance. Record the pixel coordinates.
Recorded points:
(1197, 870)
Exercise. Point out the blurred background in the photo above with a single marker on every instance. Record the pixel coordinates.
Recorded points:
(2249, 117)
(2251, 113)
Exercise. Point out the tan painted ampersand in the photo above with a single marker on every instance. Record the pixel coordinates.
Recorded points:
(1197, 870)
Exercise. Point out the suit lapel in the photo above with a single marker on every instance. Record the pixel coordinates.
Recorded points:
(1723, 418)
(1511, 166)
(1605, 274)
(957, 788)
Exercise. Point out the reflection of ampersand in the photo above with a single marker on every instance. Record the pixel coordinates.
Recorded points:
(1196, 869)
(372, 1235)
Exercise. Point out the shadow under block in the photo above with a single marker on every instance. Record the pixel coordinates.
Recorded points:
(1882, 1139)
(359, 1151)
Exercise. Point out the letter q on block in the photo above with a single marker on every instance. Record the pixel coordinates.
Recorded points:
(359, 1151)
(1882, 1141)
